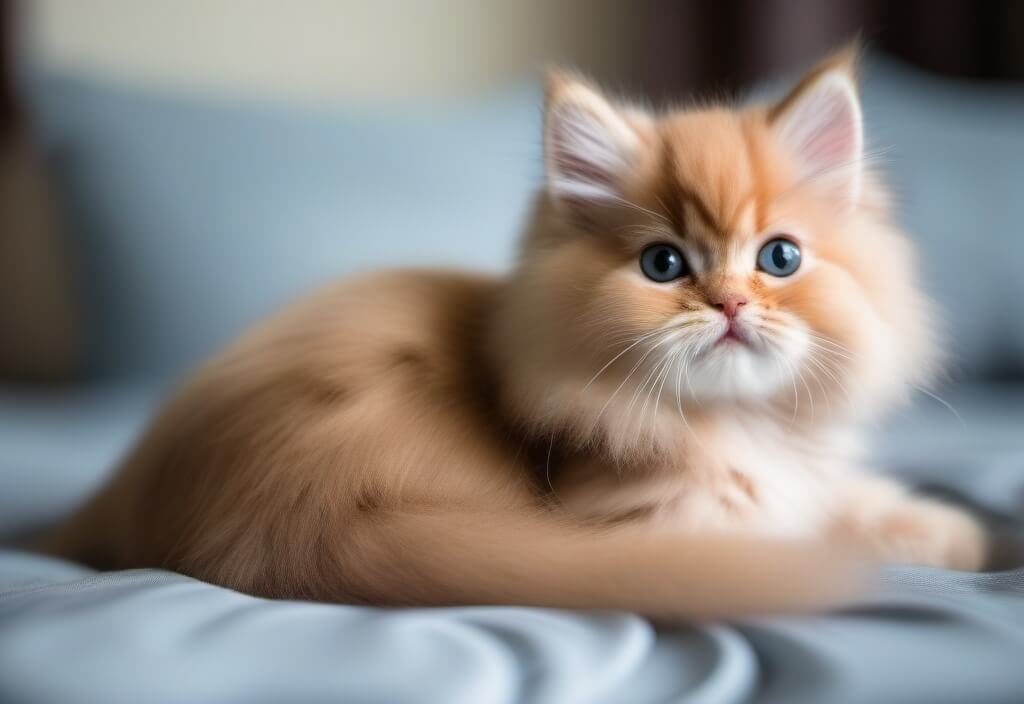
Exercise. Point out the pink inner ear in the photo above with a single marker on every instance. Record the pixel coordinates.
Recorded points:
(834, 142)
(823, 131)
(585, 156)
(574, 148)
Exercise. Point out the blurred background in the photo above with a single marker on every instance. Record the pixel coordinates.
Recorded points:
(172, 171)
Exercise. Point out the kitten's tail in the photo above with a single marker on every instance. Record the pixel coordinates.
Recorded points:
(444, 558)
(426, 559)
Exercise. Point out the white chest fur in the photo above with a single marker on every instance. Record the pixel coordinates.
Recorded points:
(758, 477)
(752, 477)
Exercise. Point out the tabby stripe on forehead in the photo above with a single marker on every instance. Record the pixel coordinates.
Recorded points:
(677, 196)
(741, 207)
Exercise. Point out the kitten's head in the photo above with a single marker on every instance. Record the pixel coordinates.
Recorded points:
(709, 259)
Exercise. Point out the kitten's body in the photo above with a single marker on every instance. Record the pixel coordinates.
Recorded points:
(298, 464)
(574, 434)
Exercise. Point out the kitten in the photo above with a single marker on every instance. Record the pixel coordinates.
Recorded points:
(656, 410)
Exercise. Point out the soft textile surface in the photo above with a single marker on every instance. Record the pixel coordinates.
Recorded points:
(69, 634)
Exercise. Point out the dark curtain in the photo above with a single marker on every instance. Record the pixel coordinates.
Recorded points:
(7, 110)
(720, 46)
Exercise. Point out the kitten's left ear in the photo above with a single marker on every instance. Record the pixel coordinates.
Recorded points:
(820, 124)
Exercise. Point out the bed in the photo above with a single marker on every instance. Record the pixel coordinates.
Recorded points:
(178, 208)
(70, 634)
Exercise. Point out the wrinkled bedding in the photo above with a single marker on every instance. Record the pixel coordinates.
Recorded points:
(70, 634)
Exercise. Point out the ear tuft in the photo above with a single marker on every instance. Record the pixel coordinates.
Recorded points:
(820, 124)
(589, 147)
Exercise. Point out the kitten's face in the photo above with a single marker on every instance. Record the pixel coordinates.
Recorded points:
(717, 256)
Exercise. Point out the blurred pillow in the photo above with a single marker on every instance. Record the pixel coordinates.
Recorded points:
(193, 217)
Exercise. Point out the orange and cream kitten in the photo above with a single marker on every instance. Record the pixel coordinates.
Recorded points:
(656, 410)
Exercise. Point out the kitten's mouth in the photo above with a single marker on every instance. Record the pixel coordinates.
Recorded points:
(733, 336)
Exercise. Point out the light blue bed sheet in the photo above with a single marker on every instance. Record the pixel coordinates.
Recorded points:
(68, 634)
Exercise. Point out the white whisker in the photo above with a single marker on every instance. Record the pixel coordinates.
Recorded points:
(645, 336)
(668, 336)
(630, 204)
(663, 371)
(943, 401)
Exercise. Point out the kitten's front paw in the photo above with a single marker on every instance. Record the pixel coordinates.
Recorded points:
(928, 533)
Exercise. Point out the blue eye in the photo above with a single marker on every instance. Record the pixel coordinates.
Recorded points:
(779, 258)
(663, 263)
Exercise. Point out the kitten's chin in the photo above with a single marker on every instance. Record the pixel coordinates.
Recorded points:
(734, 371)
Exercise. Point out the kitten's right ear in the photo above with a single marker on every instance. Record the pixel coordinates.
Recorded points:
(820, 123)
(589, 147)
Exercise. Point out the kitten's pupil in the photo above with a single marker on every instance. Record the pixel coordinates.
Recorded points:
(665, 260)
(779, 256)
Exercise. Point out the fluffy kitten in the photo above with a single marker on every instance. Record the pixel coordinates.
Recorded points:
(655, 411)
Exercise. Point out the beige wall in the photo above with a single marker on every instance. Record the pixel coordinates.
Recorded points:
(323, 50)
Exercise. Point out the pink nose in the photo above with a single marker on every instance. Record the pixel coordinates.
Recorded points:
(729, 304)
